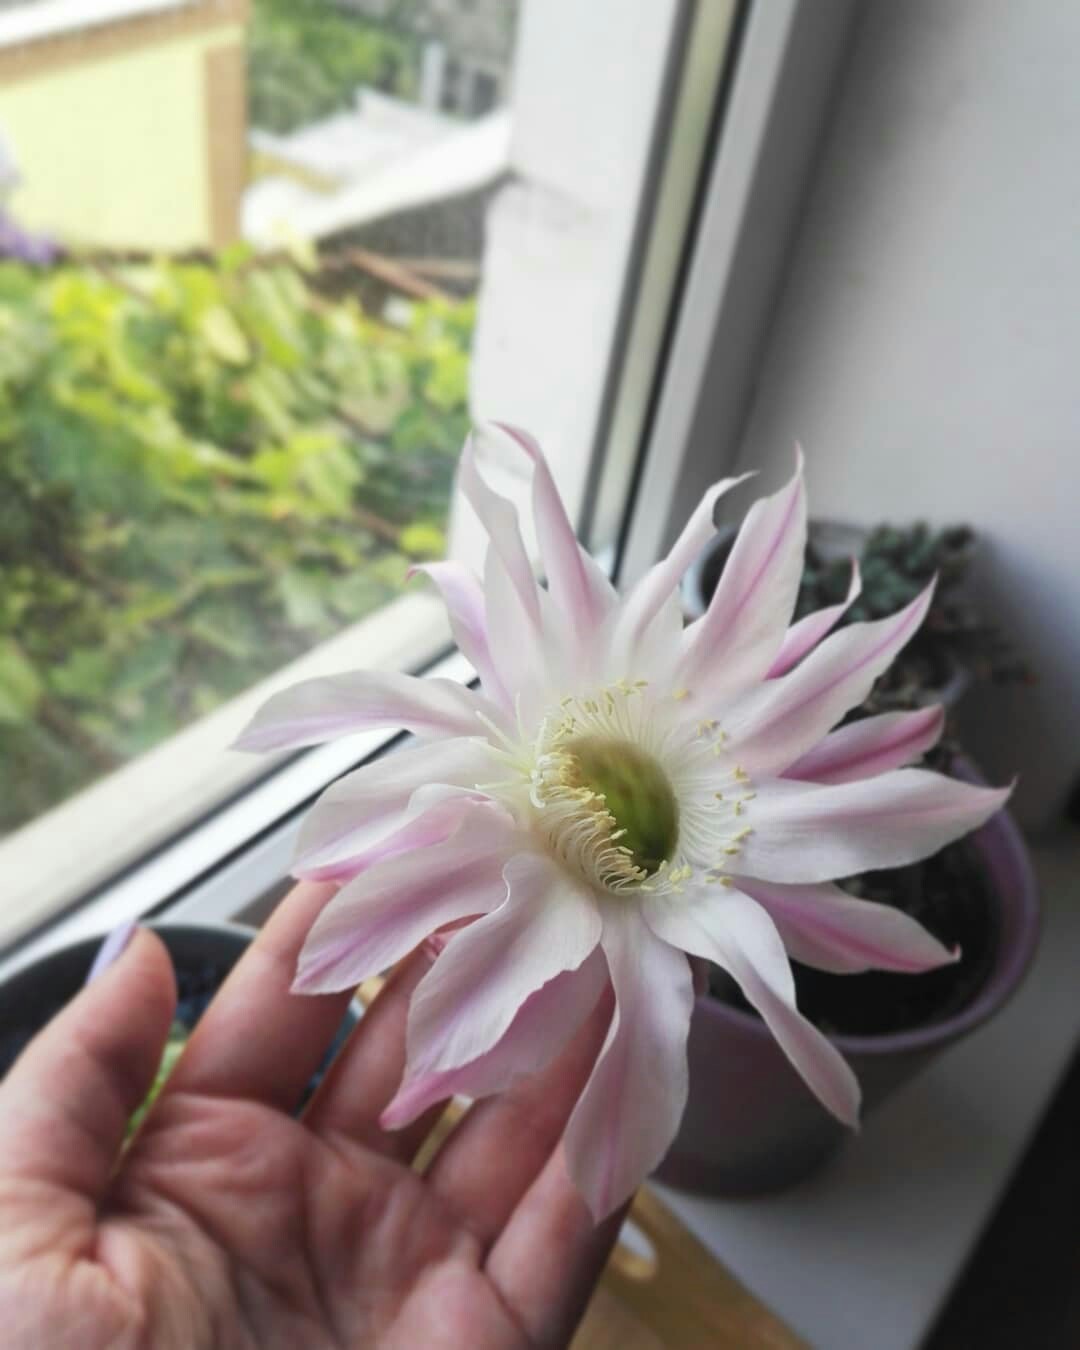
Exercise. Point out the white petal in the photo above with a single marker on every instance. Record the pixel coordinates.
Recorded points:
(463, 597)
(364, 806)
(802, 832)
(526, 666)
(779, 722)
(803, 636)
(434, 812)
(466, 1002)
(328, 707)
(658, 588)
(542, 1026)
(870, 746)
(630, 1110)
(733, 644)
(577, 584)
(382, 915)
(736, 933)
(825, 927)
(499, 518)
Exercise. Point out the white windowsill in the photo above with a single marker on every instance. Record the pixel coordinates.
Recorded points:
(52, 18)
(865, 1253)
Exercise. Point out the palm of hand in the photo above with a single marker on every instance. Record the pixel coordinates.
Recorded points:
(230, 1223)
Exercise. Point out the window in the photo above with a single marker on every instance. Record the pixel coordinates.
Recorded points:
(244, 338)
(485, 92)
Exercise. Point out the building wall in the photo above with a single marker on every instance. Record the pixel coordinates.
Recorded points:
(116, 150)
(925, 350)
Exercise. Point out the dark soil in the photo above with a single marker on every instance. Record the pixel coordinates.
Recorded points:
(951, 895)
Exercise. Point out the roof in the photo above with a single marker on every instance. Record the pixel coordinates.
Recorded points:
(385, 157)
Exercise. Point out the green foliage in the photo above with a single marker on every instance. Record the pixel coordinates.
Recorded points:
(896, 564)
(306, 59)
(170, 1057)
(204, 469)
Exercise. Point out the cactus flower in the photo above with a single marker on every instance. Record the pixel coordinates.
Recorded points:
(619, 794)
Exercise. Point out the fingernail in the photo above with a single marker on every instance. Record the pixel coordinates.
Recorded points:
(111, 949)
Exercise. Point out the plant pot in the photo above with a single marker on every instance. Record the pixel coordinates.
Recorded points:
(202, 956)
(832, 539)
(751, 1125)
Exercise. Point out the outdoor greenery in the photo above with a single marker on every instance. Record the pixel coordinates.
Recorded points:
(205, 468)
(305, 60)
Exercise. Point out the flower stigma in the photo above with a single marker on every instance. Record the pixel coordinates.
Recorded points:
(606, 805)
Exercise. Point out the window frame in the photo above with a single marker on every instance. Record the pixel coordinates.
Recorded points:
(766, 112)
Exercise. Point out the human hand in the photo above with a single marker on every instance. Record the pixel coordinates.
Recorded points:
(228, 1223)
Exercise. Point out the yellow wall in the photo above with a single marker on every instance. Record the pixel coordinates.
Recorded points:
(114, 151)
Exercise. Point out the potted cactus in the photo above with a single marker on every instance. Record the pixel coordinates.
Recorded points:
(953, 647)
(751, 1125)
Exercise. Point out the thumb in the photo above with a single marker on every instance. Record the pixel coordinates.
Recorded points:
(65, 1104)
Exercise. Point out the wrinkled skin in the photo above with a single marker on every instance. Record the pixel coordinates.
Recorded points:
(230, 1224)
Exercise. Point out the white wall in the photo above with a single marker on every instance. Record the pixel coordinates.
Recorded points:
(927, 345)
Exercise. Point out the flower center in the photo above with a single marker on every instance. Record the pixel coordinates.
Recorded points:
(637, 796)
(609, 809)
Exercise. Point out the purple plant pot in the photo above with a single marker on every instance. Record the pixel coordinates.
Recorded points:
(751, 1125)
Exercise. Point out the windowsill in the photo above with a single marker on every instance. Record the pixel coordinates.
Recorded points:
(54, 18)
(866, 1252)
(77, 846)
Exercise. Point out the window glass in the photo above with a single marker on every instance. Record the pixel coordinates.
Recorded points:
(211, 457)
(261, 263)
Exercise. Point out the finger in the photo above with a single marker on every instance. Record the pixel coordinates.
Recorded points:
(367, 1071)
(257, 1040)
(549, 1257)
(494, 1155)
(65, 1104)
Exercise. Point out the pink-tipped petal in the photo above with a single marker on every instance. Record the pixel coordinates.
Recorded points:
(386, 911)
(628, 1114)
(779, 722)
(365, 806)
(736, 640)
(825, 927)
(736, 932)
(328, 707)
(802, 832)
(466, 1002)
(871, 746)
(805, 635)
(463, 596)
(433, 814)
(658, 588)
(752, 962)
(526, 666)
(541, 1028)
(578, 586)
(499, 518)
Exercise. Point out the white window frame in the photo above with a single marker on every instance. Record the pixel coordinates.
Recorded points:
(660, 438)
(40, 19)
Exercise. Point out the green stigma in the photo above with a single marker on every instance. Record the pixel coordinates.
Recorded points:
(637, 795)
